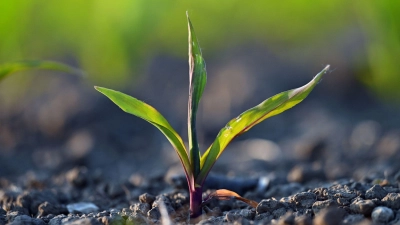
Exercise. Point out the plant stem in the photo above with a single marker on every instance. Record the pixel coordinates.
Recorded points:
(195, 202)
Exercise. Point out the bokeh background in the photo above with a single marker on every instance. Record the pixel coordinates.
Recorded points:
(51, 122)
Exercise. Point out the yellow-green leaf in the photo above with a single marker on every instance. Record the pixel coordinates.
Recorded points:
(237, 126)
(146, 112)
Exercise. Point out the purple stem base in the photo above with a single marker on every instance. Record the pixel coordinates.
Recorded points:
(195, 202)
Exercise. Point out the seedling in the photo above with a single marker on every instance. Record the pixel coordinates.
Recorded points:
(195, 165)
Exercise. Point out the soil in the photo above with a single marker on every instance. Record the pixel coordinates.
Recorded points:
(69, 156)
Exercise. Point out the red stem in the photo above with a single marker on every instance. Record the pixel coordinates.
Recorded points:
(195, 202)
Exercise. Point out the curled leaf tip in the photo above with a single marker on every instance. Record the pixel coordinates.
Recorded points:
(223, 194)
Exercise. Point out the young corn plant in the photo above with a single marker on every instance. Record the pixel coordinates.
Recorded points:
(195, 165)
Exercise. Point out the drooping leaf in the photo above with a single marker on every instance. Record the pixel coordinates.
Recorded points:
(9, 68)
(223, 194)
(197, 82)
(237, 126)
(146, 112)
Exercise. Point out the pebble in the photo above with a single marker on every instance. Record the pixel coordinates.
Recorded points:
(57, 220)
(32, 199)
(287, 219)
(163, 200)
(344, 198)
(136, 219)
(303, 220)
(113, 220)
(78, 177)
(154, 213)
(305, 199)
(147, 198)
(392, 200)
(353, 219)
(115, 190)
(382, 214)
(25, 219)
(361, 206)
(319, 205)
(247, 214)
(268, 205)
(2, 216)
(47, 208)
(330, 216)
(82, 207)
(142, 208)
(84, 221)
(321, 193)
(375, 191)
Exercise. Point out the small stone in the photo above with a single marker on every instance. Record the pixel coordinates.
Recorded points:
(47, 208)
(305, 199)
(248, 213)
(382, 214)
(375, 191)
(147, 198)
(31, 200)
(112, 220)
(279, 212)
(392, 200)
(330, 216)
(231, 216)
(344, 198)
(319, 205)
(78, 176)
(287, 219)
(303, 220)
(114, 190)
(22, 219)
(84, 221)
(11, 215)
(361, 206)
(154, 213)
(163, 200)
(57, 220)
(321, 193)
(268, 205)
(136, 219)
(211, 221)
(82, 207)
(264, 218)
(353, 219)
(238, 215)
(142, 208)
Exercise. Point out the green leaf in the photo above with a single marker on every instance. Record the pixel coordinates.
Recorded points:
(9, 68)
(197, 82)
(237, 126)
(144, 111)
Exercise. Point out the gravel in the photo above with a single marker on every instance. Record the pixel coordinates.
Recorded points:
(343, 201)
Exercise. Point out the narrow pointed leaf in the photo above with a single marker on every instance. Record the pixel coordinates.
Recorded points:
(9, 68)
(223, 194)
(144, 111)
(237, 126)
(197, 82)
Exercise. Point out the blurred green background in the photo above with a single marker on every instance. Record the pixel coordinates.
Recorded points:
(114, 42)
(252, 50)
